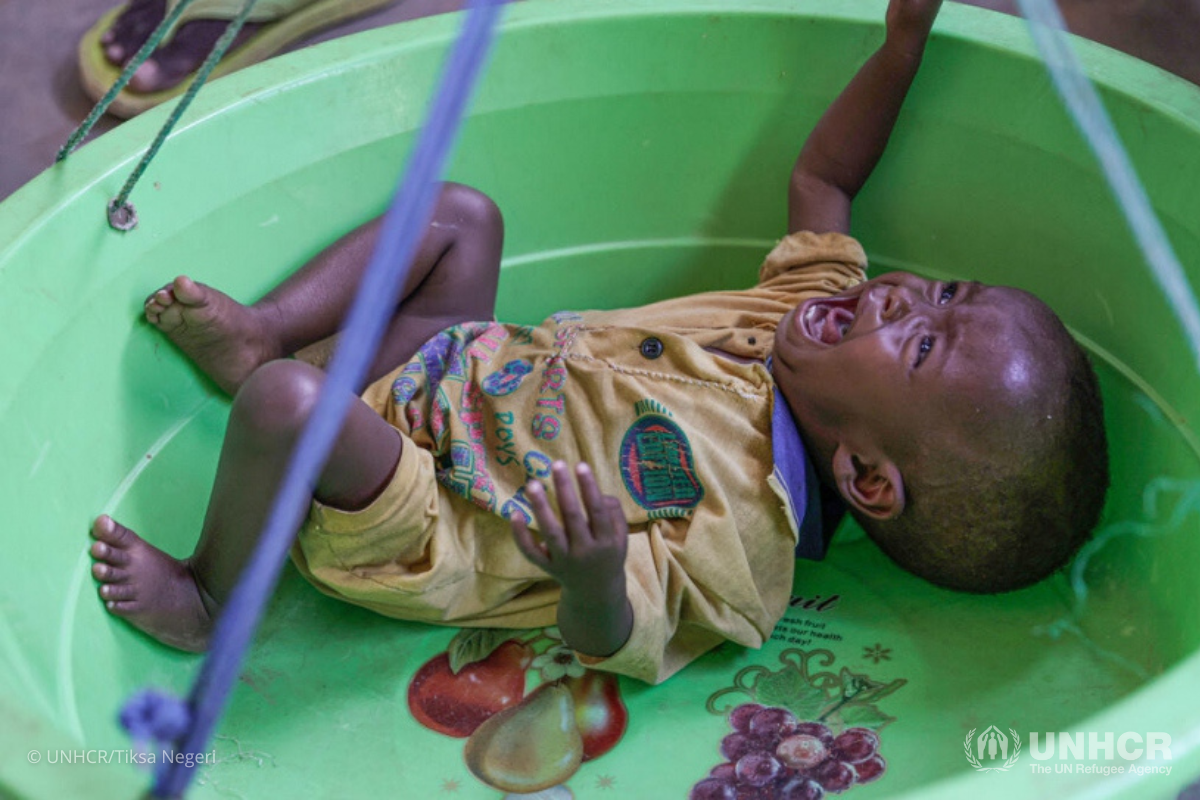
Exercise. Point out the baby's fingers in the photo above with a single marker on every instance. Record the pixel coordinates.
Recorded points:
(548, 522)
(598, 507)
(573, 517)
(592, 499)
(535, 552)
(615, 527)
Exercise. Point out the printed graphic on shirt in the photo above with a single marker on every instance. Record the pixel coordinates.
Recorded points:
(657, 464)
(535, 463)
(405, 386)
(547, 422)
(566, 316)
(464, 468)
(484, 344)
(464, 473)
(439, 419)
(537, 466)
(505, 380)
(444, 357)
(517, 506)
(522, 335)
(506, 446)
(436, 383)
(440, 352)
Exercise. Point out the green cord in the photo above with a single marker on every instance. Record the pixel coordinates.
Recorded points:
(126, 75)
(120, 204)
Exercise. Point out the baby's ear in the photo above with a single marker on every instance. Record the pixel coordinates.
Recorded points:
(871, 484)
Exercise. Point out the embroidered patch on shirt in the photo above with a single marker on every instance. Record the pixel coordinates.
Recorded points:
(657, 464)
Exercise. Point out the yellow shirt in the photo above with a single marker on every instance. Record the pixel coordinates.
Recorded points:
(680, 434)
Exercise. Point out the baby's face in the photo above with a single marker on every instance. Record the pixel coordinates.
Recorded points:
(914, 366)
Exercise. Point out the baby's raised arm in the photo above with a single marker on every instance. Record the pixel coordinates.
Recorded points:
(850, 137)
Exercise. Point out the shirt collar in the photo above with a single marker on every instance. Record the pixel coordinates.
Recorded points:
(798, 475)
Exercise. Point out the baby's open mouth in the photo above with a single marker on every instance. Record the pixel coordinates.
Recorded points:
(828, 320)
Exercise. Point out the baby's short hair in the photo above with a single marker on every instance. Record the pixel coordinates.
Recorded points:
(1006, 521)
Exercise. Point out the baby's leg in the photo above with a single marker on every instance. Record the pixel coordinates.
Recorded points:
(453, 279)
(176, 601)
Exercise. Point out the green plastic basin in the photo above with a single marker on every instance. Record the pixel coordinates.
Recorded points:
(639, 149)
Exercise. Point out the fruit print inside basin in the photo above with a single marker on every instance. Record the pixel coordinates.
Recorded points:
(638, 150)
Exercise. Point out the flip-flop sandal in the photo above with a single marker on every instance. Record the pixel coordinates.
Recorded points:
(286, 21)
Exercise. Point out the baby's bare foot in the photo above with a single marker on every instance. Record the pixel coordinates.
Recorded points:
(146, 587)
(225, 339)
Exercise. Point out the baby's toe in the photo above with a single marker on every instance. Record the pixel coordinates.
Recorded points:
(109, 531)
(109, 554)
(187, 291)
(121, 607)
(162, 300)
(169, 318)
(108, 573)
(118, 591)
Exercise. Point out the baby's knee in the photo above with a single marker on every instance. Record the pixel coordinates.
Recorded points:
(471, 208)
(276, 400)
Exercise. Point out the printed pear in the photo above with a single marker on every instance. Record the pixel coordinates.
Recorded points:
(530, 747)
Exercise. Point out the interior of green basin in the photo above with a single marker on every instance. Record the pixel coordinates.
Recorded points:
(639, 149)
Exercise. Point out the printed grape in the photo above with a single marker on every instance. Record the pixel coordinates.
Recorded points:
(736, 745)
(778, 722)
(710, 789)
(856, 744)
(757, 769)
(801, 751)
(724, 772)
(771, 755)
(834, 776)
(739, 718)
(801, 789)
(818, 730)
(870, 769)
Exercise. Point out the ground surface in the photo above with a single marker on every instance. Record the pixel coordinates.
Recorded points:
(40, 98)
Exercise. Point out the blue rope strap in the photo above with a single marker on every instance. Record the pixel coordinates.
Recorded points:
(151, 716)
(399, 237)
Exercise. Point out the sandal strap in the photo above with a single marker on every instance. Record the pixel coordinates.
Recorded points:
(263, 11)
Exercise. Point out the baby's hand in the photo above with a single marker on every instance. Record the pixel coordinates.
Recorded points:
(584, 552)
(909, 22)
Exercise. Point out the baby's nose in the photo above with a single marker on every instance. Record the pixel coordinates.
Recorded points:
(895, 304)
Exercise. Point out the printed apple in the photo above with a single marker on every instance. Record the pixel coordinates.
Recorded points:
(599, 711)
(456, 705)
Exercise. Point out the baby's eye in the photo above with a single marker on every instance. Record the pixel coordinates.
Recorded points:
(948, 292)
(923, 349)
